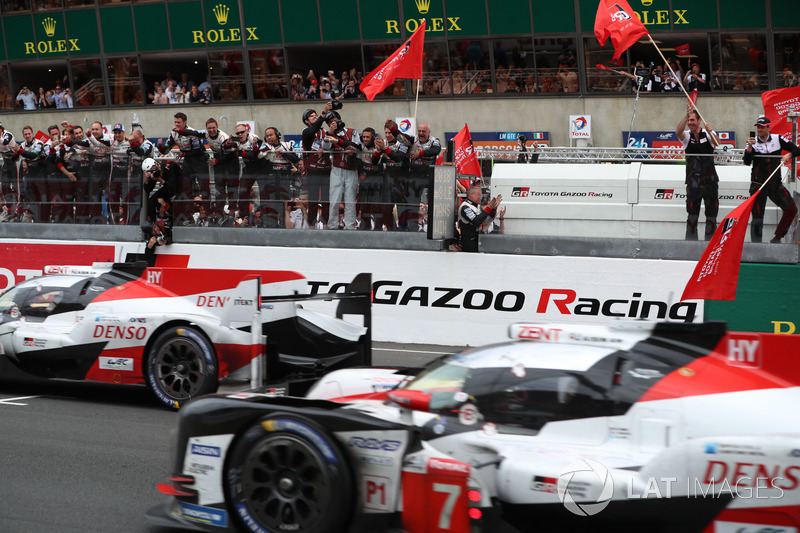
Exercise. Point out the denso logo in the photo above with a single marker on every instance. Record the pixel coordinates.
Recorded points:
(208, 451)
(633, 308)
(212, 301)
(119, 332)
(664, 194)
(753, 474)
(520, 192)
(374, 444)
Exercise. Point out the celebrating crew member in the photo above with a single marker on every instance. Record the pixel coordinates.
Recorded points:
(194, 166)
(471, 217)
(702, 183)
(161, 185)
(763, 153)
(224, 160)
(281, 162)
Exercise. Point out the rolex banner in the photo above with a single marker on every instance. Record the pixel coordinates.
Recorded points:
(406, 62)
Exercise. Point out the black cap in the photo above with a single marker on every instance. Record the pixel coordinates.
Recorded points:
(762, 121)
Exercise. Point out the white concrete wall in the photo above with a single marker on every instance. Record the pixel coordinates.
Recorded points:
(610, 116)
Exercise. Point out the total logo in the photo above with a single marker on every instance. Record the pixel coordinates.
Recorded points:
(580, 122)
(404, 125)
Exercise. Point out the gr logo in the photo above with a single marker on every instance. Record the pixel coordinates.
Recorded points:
(665, 194)
(520, 192)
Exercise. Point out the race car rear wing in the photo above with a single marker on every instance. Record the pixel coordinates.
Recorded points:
(296, 374)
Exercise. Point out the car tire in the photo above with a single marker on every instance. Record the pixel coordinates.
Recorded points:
(181, 365)
(286, 473)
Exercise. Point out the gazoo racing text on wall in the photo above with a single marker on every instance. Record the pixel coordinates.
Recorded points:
(562, 301)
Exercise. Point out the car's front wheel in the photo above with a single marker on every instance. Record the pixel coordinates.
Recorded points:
(181, 365)
(287, 474)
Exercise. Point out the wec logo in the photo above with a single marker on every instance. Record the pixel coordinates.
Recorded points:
(374, 444)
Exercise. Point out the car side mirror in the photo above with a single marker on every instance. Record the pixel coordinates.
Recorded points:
(411, 399)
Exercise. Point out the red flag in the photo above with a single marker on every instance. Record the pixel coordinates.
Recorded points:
(616, 19)
(41, 136)
(682, 50)
(693, 96)
(464, 155)
(717, 272)
(776, 104)
(406, 62)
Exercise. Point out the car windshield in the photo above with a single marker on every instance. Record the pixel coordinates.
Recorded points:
(39, 298)
(511, 395)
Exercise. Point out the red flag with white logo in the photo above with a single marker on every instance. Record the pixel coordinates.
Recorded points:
(693, 96)
(616, 19)
(776, 104)
(682, 50)
(406, 63)
(464, 156)
(717, 272)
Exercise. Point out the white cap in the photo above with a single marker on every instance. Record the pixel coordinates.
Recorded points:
(148, 164)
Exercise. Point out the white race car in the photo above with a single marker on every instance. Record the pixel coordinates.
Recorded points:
(640, 427)
(179, 330)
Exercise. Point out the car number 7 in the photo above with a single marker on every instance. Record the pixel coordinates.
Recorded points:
(452, 491)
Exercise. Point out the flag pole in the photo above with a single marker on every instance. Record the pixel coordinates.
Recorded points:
(680, 83)
(416, 101)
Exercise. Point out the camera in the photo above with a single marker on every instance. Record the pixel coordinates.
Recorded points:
(335, 104)
(330, 115)
(522, 138)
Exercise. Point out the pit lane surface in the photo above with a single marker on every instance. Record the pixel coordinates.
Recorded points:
(79, 458)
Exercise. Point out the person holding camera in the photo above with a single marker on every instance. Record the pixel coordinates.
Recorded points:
(161, 182)
(62, 99)
(471, 217)
(763, 152)
(26, 99)
(316, 165)
(346, 144)
(160, 234)
(10, 152)
(524, 156)
(296, 212)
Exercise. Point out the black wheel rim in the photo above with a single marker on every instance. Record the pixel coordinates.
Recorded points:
(180, 368)
(286, 484)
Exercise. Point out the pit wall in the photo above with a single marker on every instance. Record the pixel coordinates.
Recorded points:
(424, 297)
(610, 116)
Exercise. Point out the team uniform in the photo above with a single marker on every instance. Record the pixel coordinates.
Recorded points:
(316, 177)
(100, 172)
(253, 168)
(35, 178)
(702, 183)
(226, 166)
(137, 154)
(470, 220)
(119, 183)
(765, 158)
(10, 174)
(373, 188)
(195, 167)
(344, 176)
(273, 185)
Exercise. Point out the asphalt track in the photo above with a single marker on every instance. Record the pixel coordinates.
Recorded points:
(80, 458)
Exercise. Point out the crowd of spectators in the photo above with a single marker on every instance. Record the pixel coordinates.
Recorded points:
(368, 178)
(59, 97)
